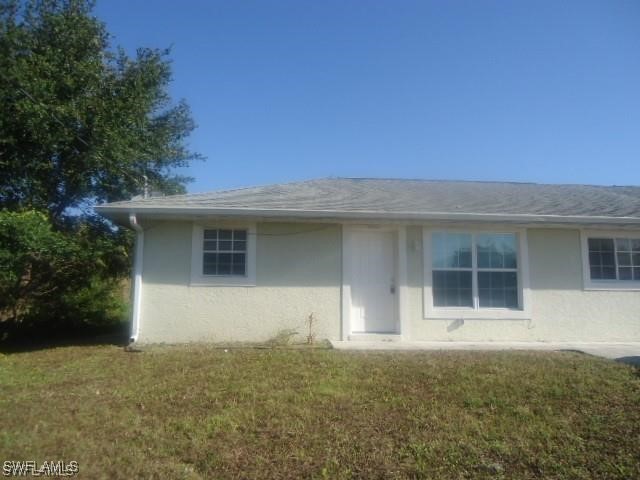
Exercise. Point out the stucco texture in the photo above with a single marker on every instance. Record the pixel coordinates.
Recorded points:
(561, 309)
(298, 272)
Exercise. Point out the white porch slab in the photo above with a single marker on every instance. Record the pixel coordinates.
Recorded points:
(375, 337)
(629, 351)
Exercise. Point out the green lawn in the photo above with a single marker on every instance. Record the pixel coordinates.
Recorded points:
(200, 412)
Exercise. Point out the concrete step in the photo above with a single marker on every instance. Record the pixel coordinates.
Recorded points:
(375, 337)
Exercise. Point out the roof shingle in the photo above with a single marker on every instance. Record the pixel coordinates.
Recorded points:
(411, 197)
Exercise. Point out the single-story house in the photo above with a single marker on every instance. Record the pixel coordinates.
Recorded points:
(387, 259)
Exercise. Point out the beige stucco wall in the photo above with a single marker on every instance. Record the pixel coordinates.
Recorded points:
(296, 275)
(561, 309)
(299, 274)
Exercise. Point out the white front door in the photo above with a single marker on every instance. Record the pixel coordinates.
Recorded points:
(373, 282)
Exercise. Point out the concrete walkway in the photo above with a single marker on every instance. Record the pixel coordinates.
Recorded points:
(622, 352)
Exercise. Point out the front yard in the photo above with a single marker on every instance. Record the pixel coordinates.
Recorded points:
(202, 412)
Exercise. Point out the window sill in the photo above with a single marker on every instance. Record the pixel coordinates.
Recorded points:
(614, 285)
(484, 314)
(222, 282)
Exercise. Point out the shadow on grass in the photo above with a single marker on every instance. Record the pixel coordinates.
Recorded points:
(632, 360)
(117, 336)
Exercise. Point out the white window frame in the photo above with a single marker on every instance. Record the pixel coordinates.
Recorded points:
(588, 284)
(197, 251)
(477, 312)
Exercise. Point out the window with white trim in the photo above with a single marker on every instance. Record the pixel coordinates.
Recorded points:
(224, 252)
(475, 270)
(614, 259)
(452, 270)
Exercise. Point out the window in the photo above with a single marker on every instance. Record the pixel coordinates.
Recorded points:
(452, 270)
(614, 259)
(224, 252)
(475, 272)
(497, 256)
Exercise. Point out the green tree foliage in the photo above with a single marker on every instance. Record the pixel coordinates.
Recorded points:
(80, 123)
(43, 274)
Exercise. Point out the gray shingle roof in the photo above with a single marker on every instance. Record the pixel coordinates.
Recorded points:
(402, 198)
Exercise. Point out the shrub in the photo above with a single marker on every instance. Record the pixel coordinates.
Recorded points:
(54, 280)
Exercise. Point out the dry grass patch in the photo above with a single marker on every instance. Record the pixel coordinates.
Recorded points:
(201, 412)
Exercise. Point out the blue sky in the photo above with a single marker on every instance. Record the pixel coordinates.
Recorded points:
(540, 91)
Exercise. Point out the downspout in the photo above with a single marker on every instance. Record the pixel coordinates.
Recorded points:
(137, 277)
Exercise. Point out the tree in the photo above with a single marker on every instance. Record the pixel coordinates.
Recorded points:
(82, 123)
(43, 275)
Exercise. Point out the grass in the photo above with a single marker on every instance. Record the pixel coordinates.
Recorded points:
(202, 412)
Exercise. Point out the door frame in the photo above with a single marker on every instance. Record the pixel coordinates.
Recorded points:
(348, 248)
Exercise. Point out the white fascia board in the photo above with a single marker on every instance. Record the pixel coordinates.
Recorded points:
(113, 211)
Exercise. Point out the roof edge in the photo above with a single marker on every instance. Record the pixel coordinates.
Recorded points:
(112, 211)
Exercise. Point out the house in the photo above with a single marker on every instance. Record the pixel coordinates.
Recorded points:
(388, 259)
